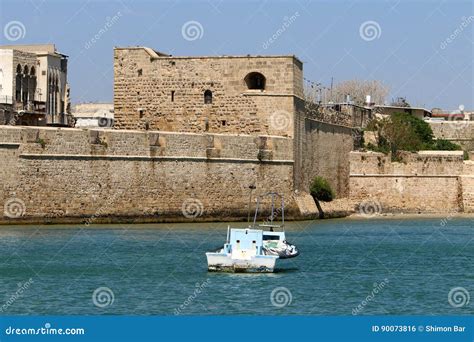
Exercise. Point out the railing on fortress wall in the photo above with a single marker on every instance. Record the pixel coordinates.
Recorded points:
(328, 115)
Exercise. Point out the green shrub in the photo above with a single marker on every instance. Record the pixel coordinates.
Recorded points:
(41, 142)
(405, 132)
(444, 145)
(321, 190)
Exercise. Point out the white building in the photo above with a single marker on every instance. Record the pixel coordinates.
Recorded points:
(33, 86)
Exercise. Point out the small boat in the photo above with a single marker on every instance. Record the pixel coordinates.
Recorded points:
(256, 248)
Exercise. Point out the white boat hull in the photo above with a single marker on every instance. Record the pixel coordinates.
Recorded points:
(223, 262)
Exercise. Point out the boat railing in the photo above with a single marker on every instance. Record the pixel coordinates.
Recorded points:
(269, 222)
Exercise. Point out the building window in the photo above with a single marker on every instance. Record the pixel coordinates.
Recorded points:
(18, 81)
(208, 97)
(140, 72)
(255, 80)
(172, 96)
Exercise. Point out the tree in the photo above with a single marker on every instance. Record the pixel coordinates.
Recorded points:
(358, 90)
(400, 102)
(405, 132)
(321, 190)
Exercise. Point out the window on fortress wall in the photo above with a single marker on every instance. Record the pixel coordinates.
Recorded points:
(255, 80)
(208, 97)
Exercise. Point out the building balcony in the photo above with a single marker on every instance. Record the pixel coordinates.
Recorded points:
(31, 107)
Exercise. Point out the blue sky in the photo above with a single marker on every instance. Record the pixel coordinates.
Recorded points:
(422, 50)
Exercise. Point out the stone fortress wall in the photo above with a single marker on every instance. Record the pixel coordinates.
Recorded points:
(176, 156)
(427, 182)
(459, 132)
(172, 150)
(66, 175)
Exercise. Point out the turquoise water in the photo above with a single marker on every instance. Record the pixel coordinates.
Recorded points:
(155, 269)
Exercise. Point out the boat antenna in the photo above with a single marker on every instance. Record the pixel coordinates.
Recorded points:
(282, 212)
(251, 187)
(273, 208)
(256, 211)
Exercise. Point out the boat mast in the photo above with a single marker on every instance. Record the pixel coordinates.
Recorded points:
(282, 213)
(273, 207)
(256, 212)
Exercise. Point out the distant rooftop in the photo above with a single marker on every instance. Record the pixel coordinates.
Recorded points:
(402, 108)
(34, 48)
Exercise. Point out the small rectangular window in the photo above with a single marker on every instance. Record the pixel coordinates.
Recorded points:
(172, 96)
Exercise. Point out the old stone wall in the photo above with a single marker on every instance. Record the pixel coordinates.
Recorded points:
(167, 93)
(70, 174)
(429, 181)
(459, 132)
(322, 149)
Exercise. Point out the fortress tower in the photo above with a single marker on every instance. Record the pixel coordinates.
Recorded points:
(255, 95)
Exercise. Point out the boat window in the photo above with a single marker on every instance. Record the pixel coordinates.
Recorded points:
(271, 237)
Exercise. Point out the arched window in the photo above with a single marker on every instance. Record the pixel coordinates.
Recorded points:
(255, 80)
(18, 81)
(24, 85)
(32, 84)
(208, 97)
